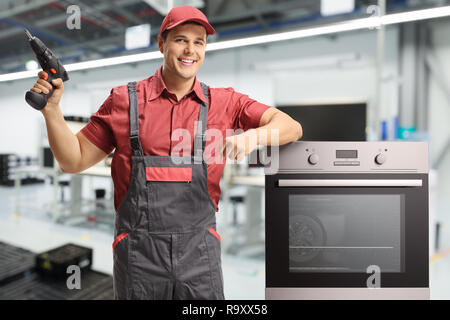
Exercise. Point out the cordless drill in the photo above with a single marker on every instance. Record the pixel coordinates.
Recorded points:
(51, 65)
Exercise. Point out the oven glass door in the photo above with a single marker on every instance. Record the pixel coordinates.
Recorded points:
(327, 232)
(346, 232)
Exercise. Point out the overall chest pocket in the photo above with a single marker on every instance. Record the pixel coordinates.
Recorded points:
(170, 195)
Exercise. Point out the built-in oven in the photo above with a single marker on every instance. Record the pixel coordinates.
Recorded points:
(348, 220)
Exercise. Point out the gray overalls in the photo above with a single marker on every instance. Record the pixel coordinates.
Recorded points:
(166, 246)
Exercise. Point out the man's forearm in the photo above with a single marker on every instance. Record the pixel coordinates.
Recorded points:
(64, 144)
(276, 128)
(281, 129)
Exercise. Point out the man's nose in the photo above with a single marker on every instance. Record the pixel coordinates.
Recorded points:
(189, 47)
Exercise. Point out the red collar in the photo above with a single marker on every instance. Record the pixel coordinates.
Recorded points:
(158, 86)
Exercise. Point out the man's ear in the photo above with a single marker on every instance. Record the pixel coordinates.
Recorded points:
(160, 43)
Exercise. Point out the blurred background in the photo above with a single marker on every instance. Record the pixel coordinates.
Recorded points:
(383, 67)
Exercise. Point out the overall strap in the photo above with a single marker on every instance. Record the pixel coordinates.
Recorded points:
(135, 142)
(200, 135)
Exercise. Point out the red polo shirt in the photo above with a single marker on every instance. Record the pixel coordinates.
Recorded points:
(160, 113)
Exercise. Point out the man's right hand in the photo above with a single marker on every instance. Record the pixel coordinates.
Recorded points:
(43, 86)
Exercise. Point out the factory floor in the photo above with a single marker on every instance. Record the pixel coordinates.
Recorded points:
(244, 277)
(34, 229)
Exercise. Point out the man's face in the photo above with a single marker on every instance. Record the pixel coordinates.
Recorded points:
(183, 50)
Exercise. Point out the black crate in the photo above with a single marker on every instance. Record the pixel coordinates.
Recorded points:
(14, 262)
(94, 286)
(54, 263)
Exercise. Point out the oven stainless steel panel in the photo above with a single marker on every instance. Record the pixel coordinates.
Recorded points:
(298, 157)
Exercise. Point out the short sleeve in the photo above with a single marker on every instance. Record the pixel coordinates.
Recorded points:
(98, 130)
(248, 112)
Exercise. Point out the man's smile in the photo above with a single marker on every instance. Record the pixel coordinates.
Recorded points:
(187, 62)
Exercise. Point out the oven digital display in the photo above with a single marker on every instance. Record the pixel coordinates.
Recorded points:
(346, 154)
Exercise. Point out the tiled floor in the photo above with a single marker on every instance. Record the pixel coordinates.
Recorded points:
(244, 278)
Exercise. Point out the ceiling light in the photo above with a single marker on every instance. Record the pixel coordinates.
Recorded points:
(137, 36)
(416, 15)
(113, 61)
(303, 33)
(333, 7)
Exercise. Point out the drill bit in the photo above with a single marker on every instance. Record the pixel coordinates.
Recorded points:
(29, 34)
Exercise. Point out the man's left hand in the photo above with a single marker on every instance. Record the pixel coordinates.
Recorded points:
(238, 146)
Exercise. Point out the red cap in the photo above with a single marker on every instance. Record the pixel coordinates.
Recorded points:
(182, 14)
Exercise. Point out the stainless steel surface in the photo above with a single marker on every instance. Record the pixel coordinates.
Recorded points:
(347, 293)
(371, 157)
(349, 183)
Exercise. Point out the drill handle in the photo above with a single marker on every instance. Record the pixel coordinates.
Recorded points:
(39, 100)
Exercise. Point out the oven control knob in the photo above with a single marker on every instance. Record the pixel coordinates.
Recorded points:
(380, 158)
(313, 159)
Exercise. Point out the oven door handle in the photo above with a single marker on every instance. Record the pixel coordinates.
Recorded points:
(350, 183)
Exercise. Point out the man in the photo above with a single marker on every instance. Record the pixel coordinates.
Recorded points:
(166, 245)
